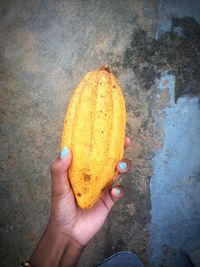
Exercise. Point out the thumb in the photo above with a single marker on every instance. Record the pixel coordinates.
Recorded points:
(59, 167)
(112, 195)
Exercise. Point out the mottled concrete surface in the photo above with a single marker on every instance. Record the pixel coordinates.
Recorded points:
(175, 186)
(175, 181)
(46, 48)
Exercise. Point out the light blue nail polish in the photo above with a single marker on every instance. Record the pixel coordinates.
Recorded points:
(117, 191)
(123, 165)
(64, 153)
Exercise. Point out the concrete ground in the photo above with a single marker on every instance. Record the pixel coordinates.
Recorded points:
(153, 48)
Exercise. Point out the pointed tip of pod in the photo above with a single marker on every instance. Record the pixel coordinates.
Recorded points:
(105, 67)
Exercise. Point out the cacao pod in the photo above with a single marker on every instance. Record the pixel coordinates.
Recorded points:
(94, 130)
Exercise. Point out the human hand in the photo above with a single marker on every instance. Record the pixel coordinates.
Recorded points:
(78, 224)
(70, 228)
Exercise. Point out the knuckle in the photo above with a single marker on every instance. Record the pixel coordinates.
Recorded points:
(60, 193)
(108, 201)
(54, 166)
(57, 192)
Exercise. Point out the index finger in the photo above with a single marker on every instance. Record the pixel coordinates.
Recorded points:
(127, 142)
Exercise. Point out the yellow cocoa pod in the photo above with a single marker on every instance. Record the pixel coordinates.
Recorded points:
(94, 130)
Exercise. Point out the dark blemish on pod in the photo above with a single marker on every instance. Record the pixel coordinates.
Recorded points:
(87, 177)
(79, 194)
(114, 86)
(102, 131)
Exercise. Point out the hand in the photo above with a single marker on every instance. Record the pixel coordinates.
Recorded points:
(78, 224)
(70, 228)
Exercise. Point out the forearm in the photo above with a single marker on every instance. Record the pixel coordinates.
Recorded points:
(55, 250)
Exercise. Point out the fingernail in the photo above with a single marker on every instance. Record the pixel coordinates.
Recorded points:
(64, 153)
(123, 165)
(117, 191)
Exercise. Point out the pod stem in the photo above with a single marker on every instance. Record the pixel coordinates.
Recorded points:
(105, 67)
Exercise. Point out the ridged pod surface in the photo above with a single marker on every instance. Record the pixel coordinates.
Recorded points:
(94, 130)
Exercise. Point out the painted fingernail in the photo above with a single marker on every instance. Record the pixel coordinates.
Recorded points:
(123, 165)
(117, 191)
(64, 153)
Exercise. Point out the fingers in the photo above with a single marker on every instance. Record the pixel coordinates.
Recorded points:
(60, 183)
(117, 192)
(127, 142)
(123, 166)
(112, 195)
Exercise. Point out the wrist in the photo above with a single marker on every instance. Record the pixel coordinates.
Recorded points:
(64, 235)
(72, 249)
(49, 250)
(56, 249)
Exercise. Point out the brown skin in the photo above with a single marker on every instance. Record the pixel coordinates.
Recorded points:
(70, 228)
